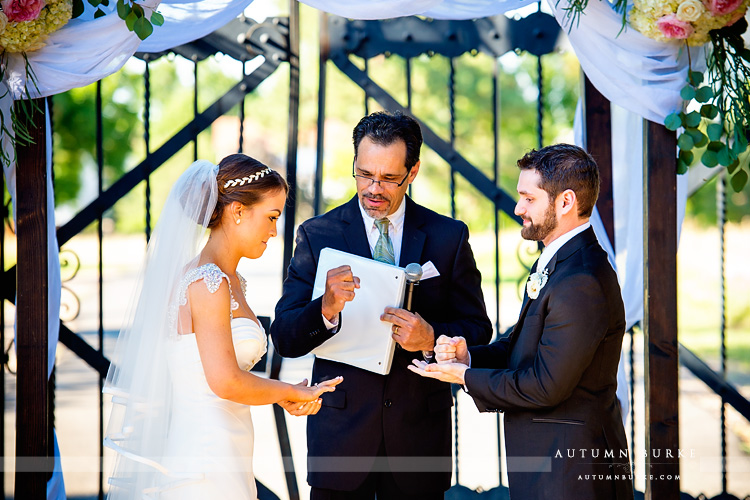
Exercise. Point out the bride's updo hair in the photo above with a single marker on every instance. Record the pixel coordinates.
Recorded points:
(245, 180)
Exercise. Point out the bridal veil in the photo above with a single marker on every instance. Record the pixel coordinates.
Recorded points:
(138, 378)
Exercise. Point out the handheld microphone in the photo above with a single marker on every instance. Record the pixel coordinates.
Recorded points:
(413, 274)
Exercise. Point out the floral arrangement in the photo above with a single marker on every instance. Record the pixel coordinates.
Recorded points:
(26, 24)
(715, 119)
(689, 20)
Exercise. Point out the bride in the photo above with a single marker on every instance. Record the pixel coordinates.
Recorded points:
(179, 380)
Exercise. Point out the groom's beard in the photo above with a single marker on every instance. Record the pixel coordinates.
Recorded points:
(537, 232)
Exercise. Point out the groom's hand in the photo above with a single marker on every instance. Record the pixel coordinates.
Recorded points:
(447, 372)
(340, 286)
(452, 350)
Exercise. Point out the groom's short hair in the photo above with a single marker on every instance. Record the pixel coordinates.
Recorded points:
(565, 166)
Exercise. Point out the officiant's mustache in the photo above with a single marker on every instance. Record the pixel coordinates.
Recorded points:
(376, 197)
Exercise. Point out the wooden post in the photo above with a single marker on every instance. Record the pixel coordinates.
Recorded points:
(660, 313)
(598, 137)
(32, 462)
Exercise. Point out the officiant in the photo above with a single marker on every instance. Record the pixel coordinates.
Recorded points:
(378, 434)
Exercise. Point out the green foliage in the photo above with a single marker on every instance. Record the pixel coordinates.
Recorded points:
(75, 133)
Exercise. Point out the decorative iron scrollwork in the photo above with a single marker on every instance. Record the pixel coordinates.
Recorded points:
(526, 253)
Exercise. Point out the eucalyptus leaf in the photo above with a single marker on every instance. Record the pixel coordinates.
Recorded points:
(704, 94)
(709, 158)
(105, 3)
(138, 9)
(695, 78)
(692, 119)
(123, 9)
(682, 167)
(733, 166)
(699, 138)
(130, 20)
(715, 146)
(77, 8)
(687, 93)
(143, 28)
(99, 13)
(709, 111)
(725, 156)
(739, 180)
(687, 157)
(94, 3)
(714, 131)
(673, 121)
(685, 142)
(157, 19)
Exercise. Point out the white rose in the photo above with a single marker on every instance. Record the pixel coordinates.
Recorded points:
(536, 283)
(690, 10)
(3, 22)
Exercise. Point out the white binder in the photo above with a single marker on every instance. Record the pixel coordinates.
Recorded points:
(364, 340)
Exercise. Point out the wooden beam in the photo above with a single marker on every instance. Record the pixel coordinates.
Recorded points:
(660, 313)
(598, 137)
(32, 462)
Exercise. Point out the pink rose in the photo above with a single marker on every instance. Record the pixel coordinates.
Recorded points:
(671, 27)
(24, 10)
(736, 16)
(721, 7)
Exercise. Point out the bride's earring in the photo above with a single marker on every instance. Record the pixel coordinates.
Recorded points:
(237, 221)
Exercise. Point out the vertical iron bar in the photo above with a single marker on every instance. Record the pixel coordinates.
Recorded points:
(452, 105)
(289, 219)
(147, 140)
(100, 238)
(660, 311)
(32, 310)
(324, 44)
(721, 215)
(408, 106)
(540, 102)
(195, 104)
(242, 111)
(496, 177)
(408, 85)
(367, 95)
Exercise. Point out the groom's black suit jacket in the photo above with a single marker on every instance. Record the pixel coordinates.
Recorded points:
(555, 377)
(407, 414)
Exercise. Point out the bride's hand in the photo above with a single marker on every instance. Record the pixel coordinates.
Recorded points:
(307, 400)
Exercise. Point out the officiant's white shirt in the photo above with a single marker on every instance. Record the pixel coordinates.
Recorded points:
(395, 233)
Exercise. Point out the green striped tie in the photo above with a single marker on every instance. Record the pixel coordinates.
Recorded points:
(384, 247)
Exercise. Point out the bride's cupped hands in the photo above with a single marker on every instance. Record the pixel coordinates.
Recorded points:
(307, 400)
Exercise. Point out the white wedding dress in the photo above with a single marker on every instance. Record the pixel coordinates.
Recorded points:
(209, 448)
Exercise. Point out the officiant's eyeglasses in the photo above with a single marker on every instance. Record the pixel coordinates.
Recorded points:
(369, 181)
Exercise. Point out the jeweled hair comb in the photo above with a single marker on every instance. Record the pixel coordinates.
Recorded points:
(247, 180)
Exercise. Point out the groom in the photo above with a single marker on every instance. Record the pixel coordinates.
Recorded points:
(389, 434)
(555, 375)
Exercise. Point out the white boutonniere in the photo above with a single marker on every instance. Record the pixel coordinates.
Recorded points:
(536, 282)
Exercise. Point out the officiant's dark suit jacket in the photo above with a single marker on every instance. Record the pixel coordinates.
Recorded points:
(408, 414)
(555, 377)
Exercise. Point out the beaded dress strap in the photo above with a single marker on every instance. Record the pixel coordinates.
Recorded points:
(211, 276)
